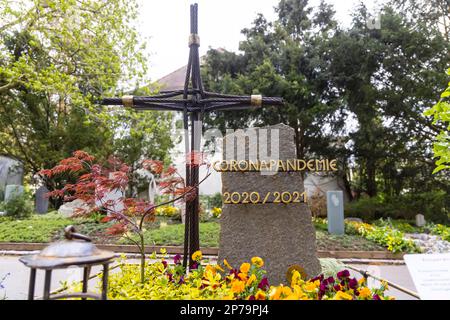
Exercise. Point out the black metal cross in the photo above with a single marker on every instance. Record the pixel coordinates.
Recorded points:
(193, 101)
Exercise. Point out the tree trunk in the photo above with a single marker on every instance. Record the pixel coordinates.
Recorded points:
(371, 184)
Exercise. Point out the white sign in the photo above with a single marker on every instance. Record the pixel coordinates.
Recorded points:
(431, 275)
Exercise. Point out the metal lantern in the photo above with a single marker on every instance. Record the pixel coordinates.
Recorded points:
(76, 250)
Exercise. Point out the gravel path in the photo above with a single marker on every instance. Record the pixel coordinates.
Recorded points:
(429, 243)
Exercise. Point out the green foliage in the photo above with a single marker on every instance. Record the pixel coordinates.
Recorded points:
(212, 201)
(441, 115)
(433, 205)
(39, 228)
(18, 206)
(365, 208)
(173, 235)
(392, 239)
(440, 230)
(51, 78)
(141, 135)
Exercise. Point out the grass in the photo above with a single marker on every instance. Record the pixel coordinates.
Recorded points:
(173, 235)
(326, 241)
(34, 229)
(47, 228)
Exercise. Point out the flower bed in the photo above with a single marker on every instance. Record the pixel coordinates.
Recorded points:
(387, 236)
(440, 230)
(165, 281)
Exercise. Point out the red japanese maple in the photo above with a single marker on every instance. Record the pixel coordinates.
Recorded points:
(91, 182)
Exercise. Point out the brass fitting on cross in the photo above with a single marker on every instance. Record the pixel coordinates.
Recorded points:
(127, 101)
(194, 39)
(256, 100)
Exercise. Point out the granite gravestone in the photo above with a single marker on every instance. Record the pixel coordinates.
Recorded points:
(420, 220)
(335, 212)
(13, 191)
(11, 173)
(41, 200)
(279, 232)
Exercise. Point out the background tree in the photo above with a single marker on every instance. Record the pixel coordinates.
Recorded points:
(57, 59)
(355, 93)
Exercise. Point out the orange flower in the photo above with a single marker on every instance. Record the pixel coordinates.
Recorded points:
(365, 293)
(242, 276)
(245, 267)
(237, 286)
(260, 295)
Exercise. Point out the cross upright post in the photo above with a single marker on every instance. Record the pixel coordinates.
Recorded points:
(193, 101)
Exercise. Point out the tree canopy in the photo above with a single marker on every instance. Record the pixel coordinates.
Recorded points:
(355, 93)
(57, 60)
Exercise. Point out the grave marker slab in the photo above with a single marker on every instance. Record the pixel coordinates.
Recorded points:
(420, 220)
(41, 201)
(12, 191)
(335, 212)
(279, 232)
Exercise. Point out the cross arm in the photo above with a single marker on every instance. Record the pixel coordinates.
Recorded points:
(210, 102)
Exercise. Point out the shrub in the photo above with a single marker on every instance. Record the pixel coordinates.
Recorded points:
(393, 239)
(211, 201)
(318, 204)
(18, 207)
(441, 230)
(365, 208)
(433, 205)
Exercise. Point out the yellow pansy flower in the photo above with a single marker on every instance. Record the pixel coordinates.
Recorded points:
(219, 268)
(295, 277)
(365, 293)
(275, 292)
(251, 280)
(245, 267)
(286, 291)
(340, 295)
(310, 287)
(257, 261)
(210, 268)
(197, 255)
(226, 264)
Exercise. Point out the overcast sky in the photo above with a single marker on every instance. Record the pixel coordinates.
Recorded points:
(165, 25)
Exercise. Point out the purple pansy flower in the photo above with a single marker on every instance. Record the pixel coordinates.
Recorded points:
(194, 266)
(353, 284)
(264, 284)
(343, 274)
(177, 259)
